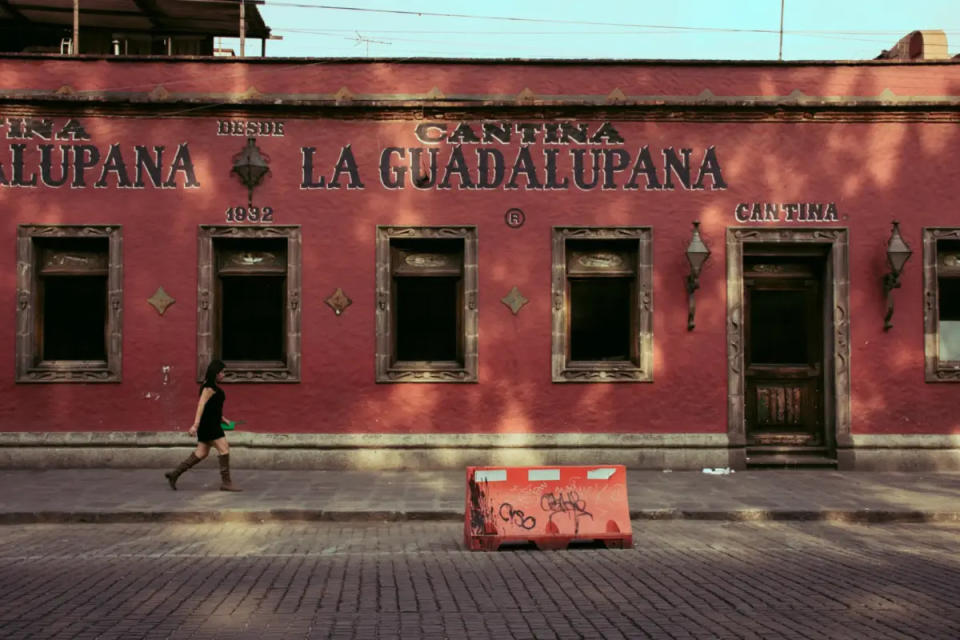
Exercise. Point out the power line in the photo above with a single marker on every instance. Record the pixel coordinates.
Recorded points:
(430, 14)
(339, 33)
(465, 16)
(802, 32)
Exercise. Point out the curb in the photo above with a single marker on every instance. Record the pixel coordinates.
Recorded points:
(864, 516)
(199, 517)
(799, 515)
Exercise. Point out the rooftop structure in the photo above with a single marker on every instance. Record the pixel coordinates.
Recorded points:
(126, 27)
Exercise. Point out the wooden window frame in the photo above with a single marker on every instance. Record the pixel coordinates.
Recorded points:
(935, 370)
(30, 366)
(287, 370)
(387, 368)
(640, 367)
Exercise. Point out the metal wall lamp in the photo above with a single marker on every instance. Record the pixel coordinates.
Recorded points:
(697, 254)
(897, 255)
(251, 166)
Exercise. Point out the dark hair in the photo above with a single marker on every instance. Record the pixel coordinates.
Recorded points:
(210, 379)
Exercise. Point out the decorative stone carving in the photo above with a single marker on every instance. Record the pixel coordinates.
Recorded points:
(427, 260)
(459, 375)
(527, 96)
(159, 93)
(338, 301)
(251, 93)
(601, 260)
(160, 300)
(606, 375)
(514, 300)
(616, 96)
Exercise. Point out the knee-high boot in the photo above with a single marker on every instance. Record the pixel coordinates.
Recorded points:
(183, 466)
(225, 484)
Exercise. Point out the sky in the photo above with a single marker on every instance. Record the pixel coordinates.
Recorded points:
(641, 29)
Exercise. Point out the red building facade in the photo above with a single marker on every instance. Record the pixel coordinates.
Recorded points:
(455, 263)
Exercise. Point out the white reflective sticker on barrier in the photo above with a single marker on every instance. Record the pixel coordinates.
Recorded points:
(600, 474)
(493, 475)
(543, 474)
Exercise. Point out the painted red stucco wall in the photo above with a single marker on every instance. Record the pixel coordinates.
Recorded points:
(874, 171)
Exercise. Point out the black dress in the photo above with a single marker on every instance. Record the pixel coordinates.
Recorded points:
(209, 429)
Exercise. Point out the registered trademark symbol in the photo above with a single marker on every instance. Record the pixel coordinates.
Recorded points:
(515, 218)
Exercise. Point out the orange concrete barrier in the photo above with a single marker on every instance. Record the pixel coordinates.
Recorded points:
(549, 506)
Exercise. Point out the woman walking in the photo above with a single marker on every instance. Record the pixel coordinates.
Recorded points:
(206, 426)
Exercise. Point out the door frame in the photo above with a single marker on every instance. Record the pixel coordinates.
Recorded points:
(836, 334)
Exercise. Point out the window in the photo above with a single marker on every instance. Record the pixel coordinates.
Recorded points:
(426, 304)
(941, 293)
(249, 302)
(602, 304)
(70, 303)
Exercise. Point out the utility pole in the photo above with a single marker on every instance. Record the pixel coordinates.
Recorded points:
(76, 28)
(780, 55)
(243, 27)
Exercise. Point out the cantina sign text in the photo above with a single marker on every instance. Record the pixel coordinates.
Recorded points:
(492, 155)
(61, 155)
(544, 156)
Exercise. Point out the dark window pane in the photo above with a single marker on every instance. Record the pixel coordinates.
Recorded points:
(74, 317)
(778, 327)
(600, 319)
(949, 299)
(427, 318)
(253, 318)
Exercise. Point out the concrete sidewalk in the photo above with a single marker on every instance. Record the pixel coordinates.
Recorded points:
(120, 495)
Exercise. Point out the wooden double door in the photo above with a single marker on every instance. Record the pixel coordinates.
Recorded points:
(784, 350)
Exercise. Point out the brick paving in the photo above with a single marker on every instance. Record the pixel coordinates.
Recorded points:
(357, 580)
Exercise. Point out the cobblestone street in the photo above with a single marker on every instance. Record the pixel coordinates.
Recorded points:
(414, 580)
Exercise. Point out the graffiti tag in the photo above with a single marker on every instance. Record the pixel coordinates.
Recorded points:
(570, 503)
(516, 516)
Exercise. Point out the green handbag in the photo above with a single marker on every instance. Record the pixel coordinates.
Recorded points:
(229, 425)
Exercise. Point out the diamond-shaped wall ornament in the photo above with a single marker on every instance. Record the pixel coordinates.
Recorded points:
(527, 96)
(616, 96)
(160, 300)
(338, 301)
(514, 300)
(251, 93)
(159, 93)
